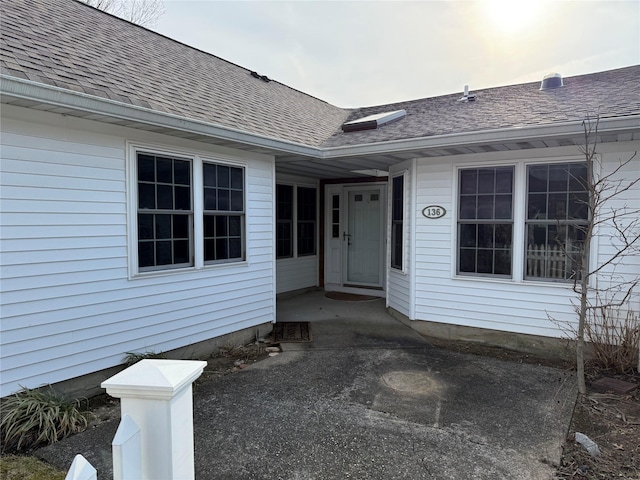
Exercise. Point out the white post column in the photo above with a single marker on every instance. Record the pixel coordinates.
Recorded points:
(157, 395)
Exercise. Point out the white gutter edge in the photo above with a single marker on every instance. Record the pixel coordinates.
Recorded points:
(52, 95)
(28, 90)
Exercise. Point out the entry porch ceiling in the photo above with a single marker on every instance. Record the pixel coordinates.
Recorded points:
(337, 163)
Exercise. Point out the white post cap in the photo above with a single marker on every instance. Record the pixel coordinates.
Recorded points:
(154, 379)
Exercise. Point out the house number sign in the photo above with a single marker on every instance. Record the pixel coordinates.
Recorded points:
(433, 211)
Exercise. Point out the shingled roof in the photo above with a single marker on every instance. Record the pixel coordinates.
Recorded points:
(614, 93)
(69, 45)
(76, 47)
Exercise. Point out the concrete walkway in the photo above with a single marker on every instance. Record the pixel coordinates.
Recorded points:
(367, 399)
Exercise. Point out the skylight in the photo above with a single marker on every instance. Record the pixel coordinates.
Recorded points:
(371, 122)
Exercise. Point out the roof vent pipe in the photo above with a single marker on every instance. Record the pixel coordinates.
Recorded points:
(552, 80)
(467, 97)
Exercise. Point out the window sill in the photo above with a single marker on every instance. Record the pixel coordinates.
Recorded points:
(293, 259)
(398, 271)
(513, 281)
(187, 270)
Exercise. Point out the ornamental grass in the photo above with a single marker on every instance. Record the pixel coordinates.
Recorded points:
(36, 417)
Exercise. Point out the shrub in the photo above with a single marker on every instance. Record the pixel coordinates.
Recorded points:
(132, 358)
(35, 417)
(614, 337)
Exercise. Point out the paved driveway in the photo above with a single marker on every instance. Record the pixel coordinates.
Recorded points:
(368, 399)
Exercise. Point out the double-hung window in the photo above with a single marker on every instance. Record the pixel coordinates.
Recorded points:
(223, 212)
(557, 208)
(168, 215)
(485, 221)
(551, 218)
(165, 212)
(284, 221)
(296, 221)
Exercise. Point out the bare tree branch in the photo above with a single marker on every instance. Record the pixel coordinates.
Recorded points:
(623, 230)
(143, 12)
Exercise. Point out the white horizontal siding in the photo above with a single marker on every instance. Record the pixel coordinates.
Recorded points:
(398, 293)
(296, 273)
(68, 307)
(625, 207)
(537, 308)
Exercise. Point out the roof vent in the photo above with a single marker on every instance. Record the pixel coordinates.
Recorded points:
(467, 97)
(264, 78)
(553, 80)
(371, 122)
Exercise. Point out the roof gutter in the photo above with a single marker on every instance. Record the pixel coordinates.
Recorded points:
(28, 90)
(51, 95)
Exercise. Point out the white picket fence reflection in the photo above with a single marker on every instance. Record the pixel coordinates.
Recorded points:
(551, 261)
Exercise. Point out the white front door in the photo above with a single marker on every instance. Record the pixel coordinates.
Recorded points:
(364, 238)
(355, 236)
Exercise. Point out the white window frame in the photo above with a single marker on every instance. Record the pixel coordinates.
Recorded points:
(546, 222)
(487, 221)
(161, 211)
(405, 224)
(197, 160)
(294, 222)
(242, 213)
(519, 219)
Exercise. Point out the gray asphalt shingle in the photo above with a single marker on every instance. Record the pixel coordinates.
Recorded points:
(68, 44)
(614, 93)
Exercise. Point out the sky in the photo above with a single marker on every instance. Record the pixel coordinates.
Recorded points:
(365, 53)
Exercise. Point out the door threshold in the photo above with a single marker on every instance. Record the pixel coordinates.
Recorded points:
(348, 285)
(356, 290)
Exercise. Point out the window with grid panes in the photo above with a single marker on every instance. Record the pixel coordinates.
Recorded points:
(165, 212)
(224, 213)
(485, 220)
(557, 213)
(284, 221)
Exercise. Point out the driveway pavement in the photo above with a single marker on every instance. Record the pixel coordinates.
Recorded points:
(369, 398)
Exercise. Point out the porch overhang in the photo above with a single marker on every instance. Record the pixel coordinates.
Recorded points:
(339, 162)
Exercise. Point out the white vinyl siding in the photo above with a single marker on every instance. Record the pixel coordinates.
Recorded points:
(296, 273)
(606, 240)
(513, 305)
(68, 305)
(399, 281)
